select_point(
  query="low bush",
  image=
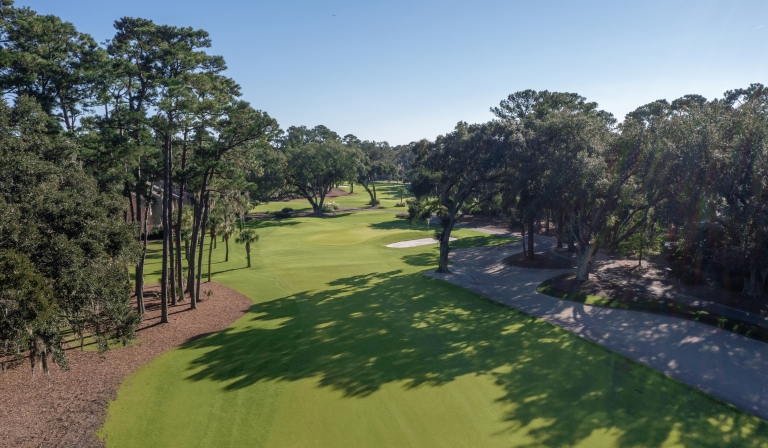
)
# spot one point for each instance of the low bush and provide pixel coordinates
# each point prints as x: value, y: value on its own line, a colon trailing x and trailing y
x: 400, y: 204
x: 287, y: 209
x: 329, y: 207
x: 402, y: 215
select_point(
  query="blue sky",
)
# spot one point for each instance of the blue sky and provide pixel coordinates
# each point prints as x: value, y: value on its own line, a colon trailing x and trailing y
x: 405, y: 70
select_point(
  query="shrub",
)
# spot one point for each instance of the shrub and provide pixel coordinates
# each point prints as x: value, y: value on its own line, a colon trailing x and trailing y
x: 282, y: 214
x: 329, y: 207
x: 402, y: 215
x: 287, y: 209
x: 400, y: 204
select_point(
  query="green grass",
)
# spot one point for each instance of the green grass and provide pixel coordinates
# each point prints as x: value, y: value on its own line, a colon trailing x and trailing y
x: 386, y: 193
x: 349, y: 345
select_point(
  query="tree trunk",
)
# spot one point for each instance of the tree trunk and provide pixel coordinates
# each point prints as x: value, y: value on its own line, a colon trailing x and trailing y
x: 571, y: 238
x: 375, y: 199
x: 248, y: 253
x: 559, y: 229
x: 226, y: 249
x: 172, y: 271
x: 522, y: 239
x: 179, y: 265
x: 444, y: 245
x: 210, y: 252
x: 531, y: 231
x: 587, y: 256
x: 202, y: 245
x: 179, y: 215
x: 752, y: 285
x: 370, y: 192
x: 166, y: 229
x: 195, y: 241
x: 140, y: 265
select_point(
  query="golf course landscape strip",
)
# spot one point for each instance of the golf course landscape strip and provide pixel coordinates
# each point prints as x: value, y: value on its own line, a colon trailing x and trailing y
x: 348, y: 344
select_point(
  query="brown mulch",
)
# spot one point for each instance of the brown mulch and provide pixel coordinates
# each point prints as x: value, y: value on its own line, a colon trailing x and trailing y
x: 336, y: 192
x: 596, y: 286
x: 541, y: 260
x: 70, y: 410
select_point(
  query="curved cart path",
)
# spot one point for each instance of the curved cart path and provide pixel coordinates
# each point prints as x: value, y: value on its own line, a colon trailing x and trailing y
x: 725, y: 365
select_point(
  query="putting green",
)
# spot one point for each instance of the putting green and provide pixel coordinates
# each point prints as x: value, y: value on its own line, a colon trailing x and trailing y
x: 351, y: 346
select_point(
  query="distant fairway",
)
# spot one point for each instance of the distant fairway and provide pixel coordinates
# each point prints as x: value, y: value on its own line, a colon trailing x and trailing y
x: 386, y: 193
x: 348, y: 345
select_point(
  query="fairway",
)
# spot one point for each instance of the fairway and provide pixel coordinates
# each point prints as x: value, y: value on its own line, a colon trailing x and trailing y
x: 349, y: 345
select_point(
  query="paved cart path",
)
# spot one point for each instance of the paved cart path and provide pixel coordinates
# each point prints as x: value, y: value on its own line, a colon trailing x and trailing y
x: 725, y: 365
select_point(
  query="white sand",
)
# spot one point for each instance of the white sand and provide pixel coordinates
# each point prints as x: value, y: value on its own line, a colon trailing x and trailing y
x: 414, y: 243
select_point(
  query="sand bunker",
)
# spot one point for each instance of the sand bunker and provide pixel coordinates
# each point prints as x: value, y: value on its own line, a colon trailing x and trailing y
x: 414, y: 243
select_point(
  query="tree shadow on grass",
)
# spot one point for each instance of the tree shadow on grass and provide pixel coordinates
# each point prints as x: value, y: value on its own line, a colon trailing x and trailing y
x: 267, y: 223
x: 370, y: 330
x: 401, y: 224
x: 423, y: 259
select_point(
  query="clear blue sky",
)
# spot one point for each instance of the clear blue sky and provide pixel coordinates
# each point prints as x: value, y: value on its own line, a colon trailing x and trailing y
x: 405, y: 70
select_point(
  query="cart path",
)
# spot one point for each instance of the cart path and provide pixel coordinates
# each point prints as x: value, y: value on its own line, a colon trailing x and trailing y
x: 725, y: 365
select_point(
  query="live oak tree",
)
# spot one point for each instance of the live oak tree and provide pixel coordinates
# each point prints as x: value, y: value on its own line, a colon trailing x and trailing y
x: 468, y: 163
x: 548, y: 123
x: 55, y: 224
x: 316, y: 160
x: 377, y: 162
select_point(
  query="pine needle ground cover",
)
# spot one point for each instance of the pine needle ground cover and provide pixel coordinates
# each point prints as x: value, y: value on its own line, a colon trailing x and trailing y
x: 348, y: 344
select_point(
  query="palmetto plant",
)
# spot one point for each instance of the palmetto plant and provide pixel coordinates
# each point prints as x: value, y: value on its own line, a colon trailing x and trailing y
x: 226, y: 233
x: 247, y: 236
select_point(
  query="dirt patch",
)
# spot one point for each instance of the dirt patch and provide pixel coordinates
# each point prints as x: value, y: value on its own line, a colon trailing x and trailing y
x: 70, y: 410
x: 336, y: 192
x: 541, y: 260
x: 596, y: 286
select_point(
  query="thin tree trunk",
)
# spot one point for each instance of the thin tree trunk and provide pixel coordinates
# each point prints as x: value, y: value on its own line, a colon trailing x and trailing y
x: 202, y: 245
x: 140, y: 265
x: 522, y: 239
x: 248, y: 253
x: 193, y: 247
x: 226, y: 249
x: 172, y: 258
x: 179, y: 215
x: 166, y: 219
x: 531, y: 231
x: 210, y: 252
x: 445, y: 247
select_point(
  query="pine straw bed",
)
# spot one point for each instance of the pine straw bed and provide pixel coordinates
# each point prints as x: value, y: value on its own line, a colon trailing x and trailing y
x: 72, y: 408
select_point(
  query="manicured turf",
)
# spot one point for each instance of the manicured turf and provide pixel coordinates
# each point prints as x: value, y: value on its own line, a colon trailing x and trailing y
x: 386, y: 193
x: 348, y: 345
